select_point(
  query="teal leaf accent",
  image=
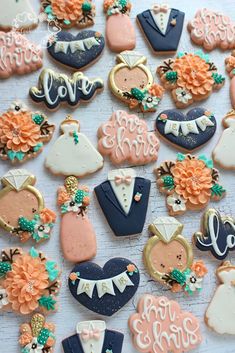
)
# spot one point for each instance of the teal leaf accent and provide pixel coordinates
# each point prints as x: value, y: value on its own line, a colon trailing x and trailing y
x: 38, y: 119
x: 86, y: 6
x: 138, y: 94
x: 43, y: 336
x: 203, y: 56
x: 178, y: 276
x: 38, y: 147
x: 123, y: 3
x: 180, y: 157
x: 18, y: 155
x: 75, y: 137
x: 33, y: 252
x: 53, y: 272
x: 67, y: 22
x: 47, y: 302
x: 218, y: 79
x: 171, y: 76
x: 208, y: 162
x: 48, y: 9
x: 233, y: 71
x: 4, y: 268
x: 217, y: 190
x: 37, y: 238
x: 26, y: 225
x: 64, y: 209
x: 79, y: 196
x: 180, y: 54
x: 168, y: 182
x: 25, y: 350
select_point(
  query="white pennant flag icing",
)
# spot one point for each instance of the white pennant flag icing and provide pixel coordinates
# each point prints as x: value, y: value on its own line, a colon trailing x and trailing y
x: 80, y: 45
x: 86, y: 286
x: 105, y: 287
x: 187, y: 127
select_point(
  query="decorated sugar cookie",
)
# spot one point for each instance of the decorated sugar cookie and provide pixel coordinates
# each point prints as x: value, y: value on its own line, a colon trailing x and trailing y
x: 37, y: 335
x: 168, y: 257
x: 77, y: 51
x: 124, y: 199
x: 73, y: 153
x: 212, y: 29
x: 217, y: 234
x: 186, y: 131
x: 222, y: 153
x: 23, y: 133
x: 220, y: 316
x: 19, y: 56
x: 54, y: 89
x: 189, y: 183
x: 17, y: 14
x: 230, y: 67
x: 167, y: 327
x: 22, y: 210
x: 104, y: 290
x: 77, y: 236
x: 162, y: 27
x: 28, y: 282
x: 67, y: 14
x: 94, y: 334
x: 120, y: 32
x: 125, y: 139
x: 132, y: 82
x: 190, y: 78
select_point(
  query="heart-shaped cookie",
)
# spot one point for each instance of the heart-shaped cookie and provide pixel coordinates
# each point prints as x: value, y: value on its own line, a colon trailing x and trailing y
x: 104, y: 290
x: 187, y: 132
x: 77, y: 51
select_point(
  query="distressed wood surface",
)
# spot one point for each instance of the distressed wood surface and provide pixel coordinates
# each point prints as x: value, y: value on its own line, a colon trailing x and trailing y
x: 91, y: 116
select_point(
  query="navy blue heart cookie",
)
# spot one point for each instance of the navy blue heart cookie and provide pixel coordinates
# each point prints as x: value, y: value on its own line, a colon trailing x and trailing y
x: 77, y: 51
x: 187, y: 132
x: 104, y: 290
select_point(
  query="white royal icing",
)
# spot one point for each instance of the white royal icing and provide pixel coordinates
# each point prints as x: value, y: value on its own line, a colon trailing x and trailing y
x: 19, y: 12
x: 76, y: 45
x: 17, y: 177
x: 91, y: 344
x: 224, y: 151
x: 187, y: 127
x: 167, y: 227
x: 161, y: 19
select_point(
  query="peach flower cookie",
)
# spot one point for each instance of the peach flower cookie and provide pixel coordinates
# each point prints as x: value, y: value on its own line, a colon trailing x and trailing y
x: 28, y: 282
x: 212, y: 29
x: 168, y: 257
x: 69, y: 13
x: 19, y: 56
x: 37, y: 336
x: 190, y: 77
x: 189, y: 183
x: 230, y: 67
x: 160, y: 325
x: 23, y: 133
x: 132, y: 82
x: 125, y: 139
x: 120, y: 32
x: 22, y: 209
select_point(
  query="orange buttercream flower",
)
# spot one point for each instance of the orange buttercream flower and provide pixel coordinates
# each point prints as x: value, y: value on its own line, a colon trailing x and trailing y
x: 199, y: 268
x: 131, y: 268
x: 69, y: 10
x: 156, y: 90
x: 108, y: 4
x: 25, y: 339
x: 176, y: 288
x: 47, y: 216
x: 18, y: 131
x: 73, y: 276
x: 193, y: 74
x: 231, y: 61
x: 25, y: 283
x: 193, y: 181
x: 63, y: 196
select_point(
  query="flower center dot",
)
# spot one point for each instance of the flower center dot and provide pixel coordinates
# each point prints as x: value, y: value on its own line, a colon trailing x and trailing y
x: 193, y: 280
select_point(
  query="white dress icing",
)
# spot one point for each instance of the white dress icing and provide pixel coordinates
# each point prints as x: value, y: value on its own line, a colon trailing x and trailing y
x: 224, y: 151
x: 17, y: 12
x: 69, y: 158
x: 220, y: 314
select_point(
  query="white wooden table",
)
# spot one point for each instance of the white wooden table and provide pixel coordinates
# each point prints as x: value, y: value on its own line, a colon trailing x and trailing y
x: 91, y: 116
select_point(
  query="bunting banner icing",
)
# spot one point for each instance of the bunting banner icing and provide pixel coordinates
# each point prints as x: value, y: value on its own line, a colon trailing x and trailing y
x: 187, y: 127
x: 81, y: 45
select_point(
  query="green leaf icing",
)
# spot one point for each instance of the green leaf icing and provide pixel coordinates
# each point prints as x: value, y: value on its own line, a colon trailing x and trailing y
x: 138, y: 94
x: 47, y: 302
x: 43, y: 336
x: 217, y: 190
x: 38, y: 119
x: 180, y: 157
x: 53, y: 272
x: 26, y: 225
x: 79, y: 196
x: 86, y: 6
x: 179, y: 276
x: 172, y: 76
x: 33, y: 252
x: 4, y: 268
x: 168, y: 182
x: 218, y: 79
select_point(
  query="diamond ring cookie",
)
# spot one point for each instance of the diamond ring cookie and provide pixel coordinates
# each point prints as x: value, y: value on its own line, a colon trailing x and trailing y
x: 73, y: 153
x: 73, y: 199
x: 132, y: 82
x: 167, y: 327
x: 168, y: 257
x: 19, y: 56
x: 28, y: 282
x: 189, y: 131
x: 37, y: 335
x: 120, y: 32
x: 189, y: 183
x: 67, y: 14
x: 125, y: 138
x: 22, y: 209
x: 190, y: 78
x: 94, y: 334
x: 104, y: 290
x: 23, y: 133
x: 124, y: 199
x: 162, y: 27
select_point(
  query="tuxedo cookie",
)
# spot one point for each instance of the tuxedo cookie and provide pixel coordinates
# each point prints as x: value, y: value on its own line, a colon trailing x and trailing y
x: 186, y: 131
x: 124, y: 200
x: 162, y: 27
x: 93, y: 334
x: 77, y: 51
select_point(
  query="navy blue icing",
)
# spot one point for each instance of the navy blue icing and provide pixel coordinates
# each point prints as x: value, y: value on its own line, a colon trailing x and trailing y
x: 113, y: 342
x: 108, y: 304
x: 158, y: 41
x: 221, y: 239
x: 123, y: 224
x: 78, y: 59
x: 191, y: 141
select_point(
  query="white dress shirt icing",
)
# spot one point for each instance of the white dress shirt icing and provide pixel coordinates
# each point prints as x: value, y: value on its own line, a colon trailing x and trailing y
x: 91, y: 334
x: 161, y: 19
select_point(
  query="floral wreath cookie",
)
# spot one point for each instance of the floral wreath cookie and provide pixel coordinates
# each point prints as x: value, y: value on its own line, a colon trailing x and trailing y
x: 132, y: 82
x: 22, y: 211
x: 190, y: 78
x: 168, y: 257
x: 37, y: 336
x: 189, y: 183
x: 28, y: 281
x: 230, y: 67
x: 23, y: 133
x: 68, y: 14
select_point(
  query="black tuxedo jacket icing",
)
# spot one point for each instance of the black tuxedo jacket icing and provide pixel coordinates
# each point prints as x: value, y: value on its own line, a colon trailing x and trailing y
x: 113, y: 341
x: 121, y: 223
x: 162, y: 42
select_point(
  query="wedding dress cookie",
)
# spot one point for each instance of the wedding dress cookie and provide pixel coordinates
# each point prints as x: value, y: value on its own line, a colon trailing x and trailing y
x: 73, y: 153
